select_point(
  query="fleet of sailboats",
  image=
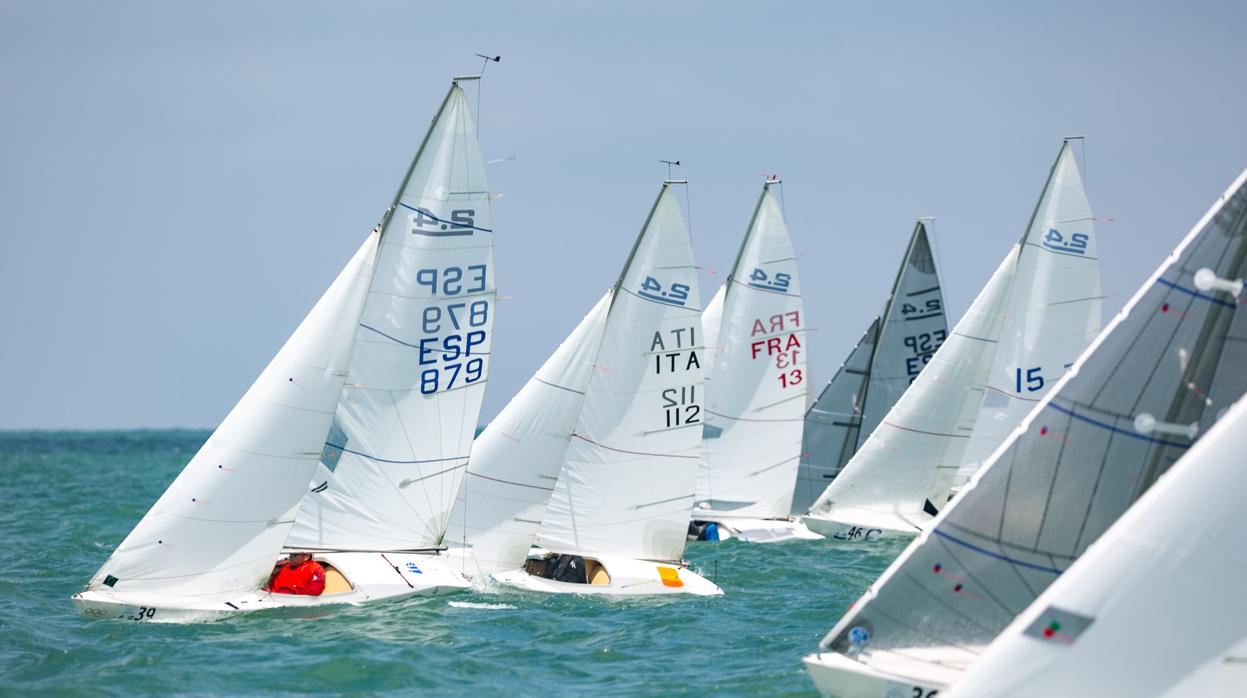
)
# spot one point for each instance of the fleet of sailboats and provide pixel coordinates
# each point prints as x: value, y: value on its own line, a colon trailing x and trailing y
x: 1035, y: 315
x: 1040, y: 462
x: 1157, y: 378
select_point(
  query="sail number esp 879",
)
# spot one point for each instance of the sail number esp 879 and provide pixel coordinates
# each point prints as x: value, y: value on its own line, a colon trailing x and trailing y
x: 453, y: 328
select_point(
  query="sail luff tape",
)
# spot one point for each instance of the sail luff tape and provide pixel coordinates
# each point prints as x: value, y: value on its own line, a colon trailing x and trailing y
x: 1207, y: 280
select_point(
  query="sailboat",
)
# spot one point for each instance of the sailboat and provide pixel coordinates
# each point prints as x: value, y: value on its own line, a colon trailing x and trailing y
x: 1038, y: 311
x: 891, y: 353
x: 403, y: 430
x: 1153, y: 382
x: 756, y: 390
x: 1094, y: 631
x: 619, y: 510
x: 365, y: 401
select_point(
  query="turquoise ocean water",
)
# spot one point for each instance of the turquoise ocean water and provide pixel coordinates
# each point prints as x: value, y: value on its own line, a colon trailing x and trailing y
x: 67, y: 499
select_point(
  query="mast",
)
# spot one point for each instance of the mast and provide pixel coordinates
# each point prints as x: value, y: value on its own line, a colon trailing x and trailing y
x: 623, y: 273
x: 882, y: 324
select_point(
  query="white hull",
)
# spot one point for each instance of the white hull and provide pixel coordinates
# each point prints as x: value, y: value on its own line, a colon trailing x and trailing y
x: 373, y: 576
x: 625, y: 577
x: 762, y: 530
x: 860, y: 526
x: 837, y: 675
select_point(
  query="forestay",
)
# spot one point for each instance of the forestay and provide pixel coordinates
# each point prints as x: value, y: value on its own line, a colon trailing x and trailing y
x: 394, y: 458
x: 1038, y: 311
x: 627, y: 486
x: 877, y: 372
x: 757, y: 389
x: 218, y: 529
x: 1159, y: 572
x: 1132, y: 404
x: 516, y: 460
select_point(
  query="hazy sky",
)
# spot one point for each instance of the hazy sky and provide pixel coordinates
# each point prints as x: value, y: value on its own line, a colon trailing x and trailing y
x: 181, y: 181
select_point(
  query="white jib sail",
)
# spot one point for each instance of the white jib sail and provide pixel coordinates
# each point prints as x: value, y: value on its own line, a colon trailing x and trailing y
x: 1031, y: 322
x: 220, y: 526
x: 879, y: 370
x: 1150, y: 384
x: 627, y: 486
x: 888, y: 482
x: 757, y: 390
x: 516, y: 460
x: 1150, y: 602
x: 395, y: 456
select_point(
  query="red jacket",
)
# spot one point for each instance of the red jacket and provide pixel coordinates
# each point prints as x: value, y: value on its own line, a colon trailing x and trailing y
x: 308, y: 579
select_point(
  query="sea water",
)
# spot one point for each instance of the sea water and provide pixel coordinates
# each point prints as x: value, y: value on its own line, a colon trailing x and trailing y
x: 68, y: 498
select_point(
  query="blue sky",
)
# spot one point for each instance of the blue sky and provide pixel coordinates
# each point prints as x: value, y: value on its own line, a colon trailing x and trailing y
x: 181, y: 182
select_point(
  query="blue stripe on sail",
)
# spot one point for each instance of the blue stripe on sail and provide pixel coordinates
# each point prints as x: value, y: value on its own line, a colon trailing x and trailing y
x: 400, y: 462
x: 1197, y: 294
x: 998, y: 556
x: 460, y: 226
x: 417, y: 346
x: 1110, y: 427
x: 396, y: 339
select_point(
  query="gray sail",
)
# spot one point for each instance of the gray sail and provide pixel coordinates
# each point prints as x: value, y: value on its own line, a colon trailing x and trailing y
x: 832, y: 424
x: 891, y: 353
x: 1160, y: 375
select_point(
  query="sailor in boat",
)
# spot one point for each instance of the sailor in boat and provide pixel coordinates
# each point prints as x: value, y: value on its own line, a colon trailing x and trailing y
x: 299, y: 574
x: 573, y: 569
x: 703, y: 530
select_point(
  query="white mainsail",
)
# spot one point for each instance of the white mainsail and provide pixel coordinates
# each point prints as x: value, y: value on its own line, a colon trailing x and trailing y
x: 1053, y: 311
x: 516, y: 460
x: 1095, y: 631
x: 878, y: 371
x: 1038, y: 311
x: 217, y: 530
x: 757, y: 391
x: 394, y: 459
x: 1128, y: 408
x: 627, y: 486
x: 711, y: 320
